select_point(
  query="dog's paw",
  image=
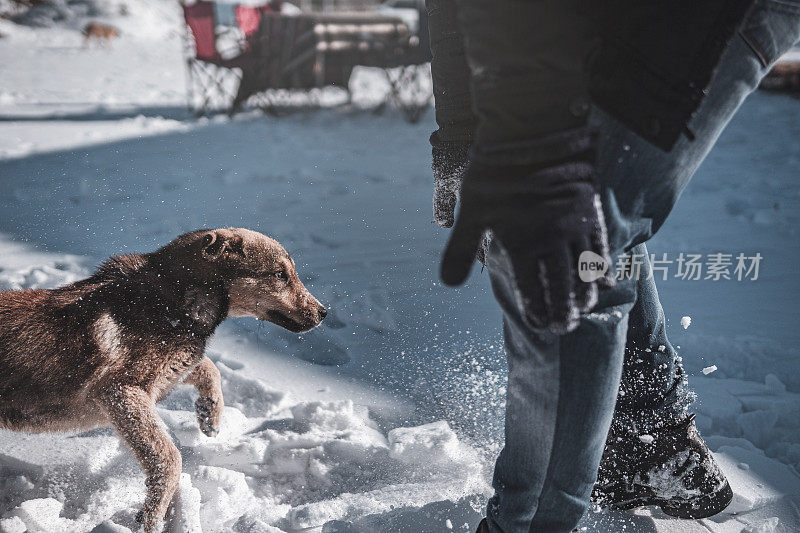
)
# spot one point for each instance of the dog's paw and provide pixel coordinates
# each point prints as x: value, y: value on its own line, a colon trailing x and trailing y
x: 209, y: 414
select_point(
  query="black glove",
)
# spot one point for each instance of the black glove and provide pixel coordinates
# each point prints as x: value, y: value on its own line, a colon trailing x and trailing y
x: 545, y: 211
x: 449, y: 164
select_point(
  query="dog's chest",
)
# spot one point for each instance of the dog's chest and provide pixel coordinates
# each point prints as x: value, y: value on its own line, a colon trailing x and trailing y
x: 172, y: 365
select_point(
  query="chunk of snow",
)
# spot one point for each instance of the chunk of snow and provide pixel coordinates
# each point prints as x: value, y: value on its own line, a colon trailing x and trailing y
x: 757, y: 426
x: 770, y: 525
x: 709, y: 369
x: 429, y: 443
x: 647, y: 439
x: 186, y: 517
x: 686, y: 321
x: 765, y: 484
x: 225, y: 493
x: 41, y: 515
x: 350, y: 423
x: 12, y: 525
x: 774, y: 384
x: 249, y: 524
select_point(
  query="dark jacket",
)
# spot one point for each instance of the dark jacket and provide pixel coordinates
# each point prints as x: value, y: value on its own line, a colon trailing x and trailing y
x: 656, y: 59
x: 535, y: 65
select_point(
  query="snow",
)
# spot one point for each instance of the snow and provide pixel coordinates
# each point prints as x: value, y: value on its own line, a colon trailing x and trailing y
x: 709, y: 369
x: 647, y: 439
x: 389, y: 416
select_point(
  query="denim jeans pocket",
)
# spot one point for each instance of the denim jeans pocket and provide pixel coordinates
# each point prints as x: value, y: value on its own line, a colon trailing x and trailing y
x: 771, y: 28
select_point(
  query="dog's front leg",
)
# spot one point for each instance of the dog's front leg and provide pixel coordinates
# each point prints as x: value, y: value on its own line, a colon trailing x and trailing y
x: 206, y: 379
x: 133, y: 414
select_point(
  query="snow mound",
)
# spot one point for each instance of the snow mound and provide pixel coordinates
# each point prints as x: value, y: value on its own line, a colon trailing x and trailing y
x: 247, y: 394
x: 764, y: 414
x: 276, y: 465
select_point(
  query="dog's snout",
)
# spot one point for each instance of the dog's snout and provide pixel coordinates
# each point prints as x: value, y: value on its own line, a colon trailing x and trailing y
x: 322, y: 312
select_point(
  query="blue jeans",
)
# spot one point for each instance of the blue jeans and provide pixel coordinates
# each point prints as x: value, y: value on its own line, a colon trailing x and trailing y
x: 562, y: 390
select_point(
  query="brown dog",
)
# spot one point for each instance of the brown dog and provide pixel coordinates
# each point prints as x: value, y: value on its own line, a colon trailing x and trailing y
x: 102, y: 351
x: 102, y: 33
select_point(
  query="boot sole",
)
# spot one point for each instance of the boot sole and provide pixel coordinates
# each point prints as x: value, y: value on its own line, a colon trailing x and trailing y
x: 696, y: 508
x: 702, y: 507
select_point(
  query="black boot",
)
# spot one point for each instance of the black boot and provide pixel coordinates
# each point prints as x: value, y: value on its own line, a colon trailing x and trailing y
x: 483, y: 527
x: 671, y: 468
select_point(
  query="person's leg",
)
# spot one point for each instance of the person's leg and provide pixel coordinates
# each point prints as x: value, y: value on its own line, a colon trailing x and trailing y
x: 653, y: 391
x: 640, y: 186
x: 559, y: 403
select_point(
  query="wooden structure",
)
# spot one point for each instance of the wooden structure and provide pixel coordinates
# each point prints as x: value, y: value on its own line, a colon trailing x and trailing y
x: 282, y: 58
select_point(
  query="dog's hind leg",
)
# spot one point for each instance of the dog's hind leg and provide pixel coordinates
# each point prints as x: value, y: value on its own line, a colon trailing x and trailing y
x: 206, y: 379
x: 133, y: 414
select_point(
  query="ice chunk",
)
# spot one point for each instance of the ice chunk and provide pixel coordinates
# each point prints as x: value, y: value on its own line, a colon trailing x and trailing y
x: 709, y: 369
x: 774, y: 385
x: 186, y: 518
x: 770, y: 525
x: 686, y: 321
x: 764, y: 484
x: 12, y: 525
x: 249, y: 524
x: 758, y: 426
x: 329, y: 416
x: 207, y: 478
x: 430, y: 443
x: 41, y: 515
x: 225, y: 493
x: 647, y: 439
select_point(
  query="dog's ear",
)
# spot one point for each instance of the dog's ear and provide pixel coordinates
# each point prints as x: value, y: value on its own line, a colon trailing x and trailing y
x: 215, y: 246
x: 212, y: 246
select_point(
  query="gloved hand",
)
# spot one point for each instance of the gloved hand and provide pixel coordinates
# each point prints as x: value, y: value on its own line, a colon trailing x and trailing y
x: 545, y: 211
x: 449, y: 164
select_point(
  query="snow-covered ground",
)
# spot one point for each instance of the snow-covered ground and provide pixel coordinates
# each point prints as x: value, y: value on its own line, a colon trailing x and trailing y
x: 389, y: 416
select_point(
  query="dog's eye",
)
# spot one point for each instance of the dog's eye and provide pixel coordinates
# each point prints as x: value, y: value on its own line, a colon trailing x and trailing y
x: 281, y: 275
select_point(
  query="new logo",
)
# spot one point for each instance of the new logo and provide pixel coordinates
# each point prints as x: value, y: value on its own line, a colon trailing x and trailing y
x: 591, y: 266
